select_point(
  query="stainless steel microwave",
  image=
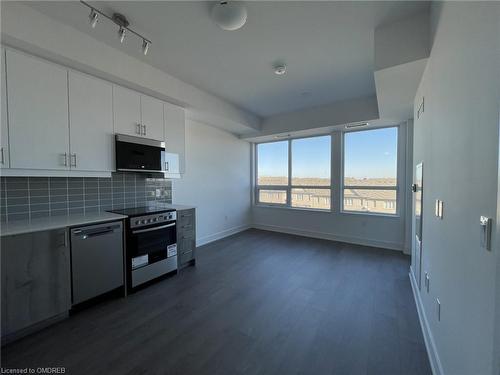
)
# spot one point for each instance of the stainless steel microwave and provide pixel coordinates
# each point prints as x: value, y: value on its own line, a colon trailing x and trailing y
x: 135, y: 154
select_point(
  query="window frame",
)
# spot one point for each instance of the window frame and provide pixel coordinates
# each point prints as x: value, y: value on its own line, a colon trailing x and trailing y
x: 289, y: 187
x: 368, y: 187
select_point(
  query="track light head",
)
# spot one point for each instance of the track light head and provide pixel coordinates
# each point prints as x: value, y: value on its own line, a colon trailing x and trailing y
x: 93, y: 17
x: 121, y: 34
x: 145, y: 46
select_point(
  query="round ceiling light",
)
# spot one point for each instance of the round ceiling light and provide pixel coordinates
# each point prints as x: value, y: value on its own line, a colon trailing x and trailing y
x: 229, y: 15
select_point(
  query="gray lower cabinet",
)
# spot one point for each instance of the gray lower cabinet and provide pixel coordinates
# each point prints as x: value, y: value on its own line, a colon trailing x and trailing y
x: 36, y: 287
x: 186, y: 237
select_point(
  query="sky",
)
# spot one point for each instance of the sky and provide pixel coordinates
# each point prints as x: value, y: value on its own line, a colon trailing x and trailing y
x: 368, y: 154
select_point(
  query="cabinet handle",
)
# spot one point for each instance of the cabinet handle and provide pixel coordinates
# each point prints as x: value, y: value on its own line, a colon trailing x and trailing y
x: 65, y: 156
x: 138, y: 128
x: 64, y: 238
x: 144, y: 129
x: 166, y: 166
x: 3, y: 160
x: 73, y: 156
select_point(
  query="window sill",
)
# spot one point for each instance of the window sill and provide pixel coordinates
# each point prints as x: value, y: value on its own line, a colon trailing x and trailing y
x: 343, y: 212
x: 347, y: 212
x: 261, y: 205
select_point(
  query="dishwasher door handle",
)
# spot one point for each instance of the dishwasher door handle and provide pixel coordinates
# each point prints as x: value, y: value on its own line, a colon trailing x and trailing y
x: 97, y: 234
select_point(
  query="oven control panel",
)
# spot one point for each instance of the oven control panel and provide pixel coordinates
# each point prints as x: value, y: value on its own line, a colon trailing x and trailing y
x: 142, y: 221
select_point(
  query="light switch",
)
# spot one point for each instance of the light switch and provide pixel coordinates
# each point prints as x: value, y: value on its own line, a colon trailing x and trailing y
x: 438, y: 209
x: 441, y: 209
x: 485, y: 223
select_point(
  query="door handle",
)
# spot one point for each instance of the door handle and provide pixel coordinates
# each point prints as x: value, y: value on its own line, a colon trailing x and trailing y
x: 414, y: 188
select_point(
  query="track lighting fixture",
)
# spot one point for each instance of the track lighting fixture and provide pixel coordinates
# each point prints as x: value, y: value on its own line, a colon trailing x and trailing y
x: 145, y: 46
x: 93, y: 17
x: 121, y: 34
x: 121, y: 21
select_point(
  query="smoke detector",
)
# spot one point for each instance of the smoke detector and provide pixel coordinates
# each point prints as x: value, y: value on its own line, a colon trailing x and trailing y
x: 279, y: 69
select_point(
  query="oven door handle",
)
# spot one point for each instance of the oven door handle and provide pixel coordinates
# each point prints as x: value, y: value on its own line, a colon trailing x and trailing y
x: 152, y: 229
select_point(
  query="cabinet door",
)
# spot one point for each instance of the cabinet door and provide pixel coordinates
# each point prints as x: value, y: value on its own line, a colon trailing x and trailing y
x: 37, y: 278
x: 37, y: 94
x: 152, y: 117
x: 175, y: 133
x: 4, y: 130
x: 126, y: 111
x: 91, y: 123
x: 171, y: 167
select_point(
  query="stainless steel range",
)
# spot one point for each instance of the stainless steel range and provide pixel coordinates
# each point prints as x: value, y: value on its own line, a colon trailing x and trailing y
x: 151, y: 244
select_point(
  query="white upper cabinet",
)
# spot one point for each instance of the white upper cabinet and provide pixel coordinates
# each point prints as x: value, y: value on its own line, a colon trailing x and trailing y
x: 175, y: 137
x: 136, y: 114
x: 4, y: 131
x: 91, y: 123
x: 127, y: 111
x: 37, y: 94
x: 152, y: 117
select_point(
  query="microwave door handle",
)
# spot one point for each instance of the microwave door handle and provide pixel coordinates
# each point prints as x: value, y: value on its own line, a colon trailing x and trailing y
x: 152, y: 229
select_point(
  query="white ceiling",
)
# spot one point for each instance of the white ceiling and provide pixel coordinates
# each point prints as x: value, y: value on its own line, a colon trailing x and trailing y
x: 327, y: 46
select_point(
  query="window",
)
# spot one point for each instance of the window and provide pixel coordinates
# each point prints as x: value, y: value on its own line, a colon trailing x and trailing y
x: 370, y: 171
x: 309, y: 185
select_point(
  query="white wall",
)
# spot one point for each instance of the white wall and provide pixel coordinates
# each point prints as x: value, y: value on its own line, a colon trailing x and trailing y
x: 457, y: 138
x: 372, y: 230
x: 402, y: 41
x: 217, y: 181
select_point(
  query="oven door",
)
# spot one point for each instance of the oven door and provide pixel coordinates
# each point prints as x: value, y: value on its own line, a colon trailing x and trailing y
x: 152, y: 244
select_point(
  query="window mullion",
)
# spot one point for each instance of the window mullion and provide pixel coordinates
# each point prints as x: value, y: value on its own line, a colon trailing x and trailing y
x: 289, y: 189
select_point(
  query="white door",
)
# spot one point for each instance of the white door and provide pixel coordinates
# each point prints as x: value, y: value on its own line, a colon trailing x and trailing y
x: 4, y: 131
x: 126, y: 111
x: 37, y: 94
x: 175, y: 133
x: 91, y: 123
x: 152, y: 117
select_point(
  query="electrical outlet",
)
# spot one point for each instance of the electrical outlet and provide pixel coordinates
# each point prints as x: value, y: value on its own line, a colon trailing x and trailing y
x: 438, y: 309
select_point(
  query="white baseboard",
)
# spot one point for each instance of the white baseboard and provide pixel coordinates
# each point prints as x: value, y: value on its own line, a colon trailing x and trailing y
x: 432, y: 353
x: 219, y: 235
x: 332, y: 237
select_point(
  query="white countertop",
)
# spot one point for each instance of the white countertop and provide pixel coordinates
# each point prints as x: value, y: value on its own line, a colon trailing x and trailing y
x: 178, y: 207
x: 55, y: 222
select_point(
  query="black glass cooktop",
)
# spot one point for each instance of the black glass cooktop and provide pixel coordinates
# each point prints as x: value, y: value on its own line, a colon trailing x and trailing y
x: 140, y: 211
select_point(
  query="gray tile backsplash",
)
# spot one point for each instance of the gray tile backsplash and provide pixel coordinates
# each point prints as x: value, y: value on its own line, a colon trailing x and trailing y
x: 37, y: 197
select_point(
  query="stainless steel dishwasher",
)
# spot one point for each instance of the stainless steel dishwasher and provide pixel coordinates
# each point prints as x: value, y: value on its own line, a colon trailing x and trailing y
x: 96, y: 260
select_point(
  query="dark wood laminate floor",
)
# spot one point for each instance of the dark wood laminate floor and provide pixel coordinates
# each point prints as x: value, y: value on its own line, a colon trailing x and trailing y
x: 256, y: 303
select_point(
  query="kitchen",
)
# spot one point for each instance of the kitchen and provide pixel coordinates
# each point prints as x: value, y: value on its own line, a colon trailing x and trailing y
x: 78, y: 227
